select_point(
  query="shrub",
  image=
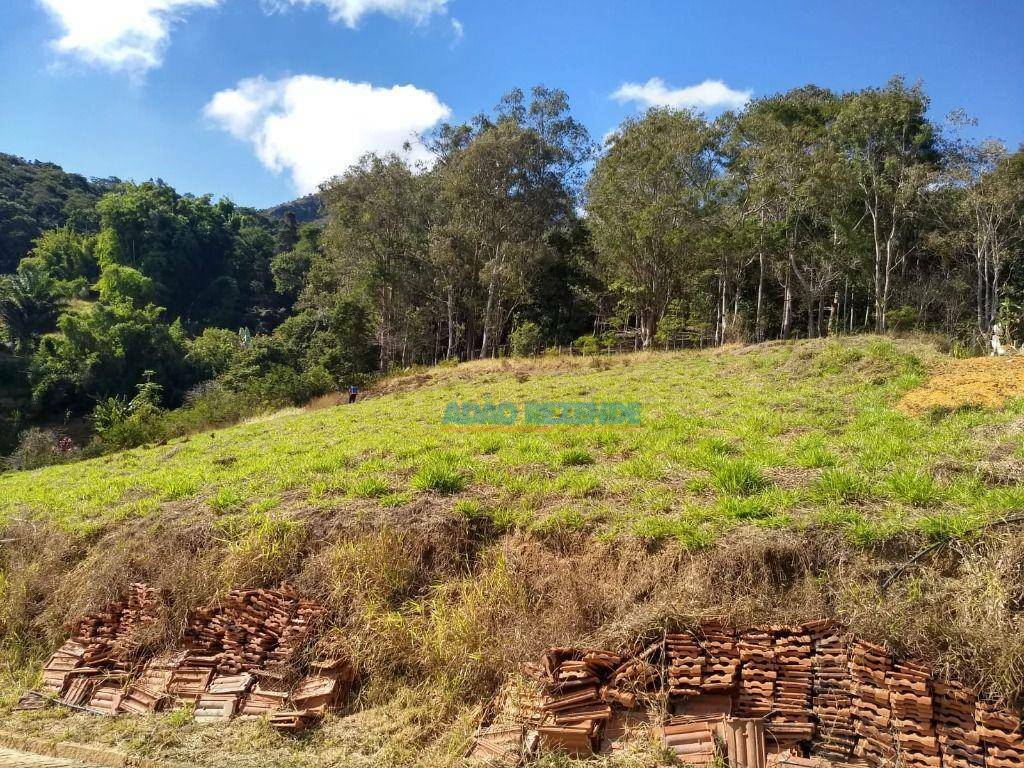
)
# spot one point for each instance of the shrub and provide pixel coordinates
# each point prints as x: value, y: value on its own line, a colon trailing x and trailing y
x: 738, y: 477
x: 526, y: 340
x: 587, y: 345
x: 214, y: 351
x: 441, y: 475
x: 902, y: 319
x: 40, y: 448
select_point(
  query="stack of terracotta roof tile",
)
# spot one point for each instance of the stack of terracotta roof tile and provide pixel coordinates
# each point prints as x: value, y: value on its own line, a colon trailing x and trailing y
x: 252, y: 629
x: 693, y: 740
x: 832, y: 702
x: 573, y: 712
x: 105, y: 640
x: 955, y: 726
x: 316, y: 694
x: 757, y: 674
x: 790, y: 722
x: 111, y: 634
x: 910, y: 700
x: 721, y: 669
x: 636, y: 675
x: 108, y: 694
x: 700, y: 741
x: 150, y: 690
x: 240, y: 661
x: 261, y: 701
x: 68, y: 658
x: 582, y: 690
x: 869, y: 665
x: 1000, y: 731
x: 685, y: 664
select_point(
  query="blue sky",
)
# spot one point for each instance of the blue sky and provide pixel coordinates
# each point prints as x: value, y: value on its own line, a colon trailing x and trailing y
x: 259, y: 100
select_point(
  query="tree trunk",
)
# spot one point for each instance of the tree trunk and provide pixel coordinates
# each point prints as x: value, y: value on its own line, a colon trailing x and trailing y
x: 450, y: 312
x: 492, y: 290
x: 758, y: 330
x: 787, y: 306
x: 878, y: 277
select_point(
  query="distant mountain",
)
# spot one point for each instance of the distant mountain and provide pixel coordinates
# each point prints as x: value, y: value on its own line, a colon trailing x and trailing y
x: 306, y: 209
x: 37, y: 196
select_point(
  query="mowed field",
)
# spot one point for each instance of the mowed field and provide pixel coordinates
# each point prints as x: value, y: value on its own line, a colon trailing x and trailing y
x: 786, y: 435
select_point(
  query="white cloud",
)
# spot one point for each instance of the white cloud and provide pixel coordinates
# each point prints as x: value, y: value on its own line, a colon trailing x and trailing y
x: 122, y: 35
x: 458, y: 30
x: 711, y: 94
x: 316, y: 127
x: 351, y: 11
x: 132, y: 35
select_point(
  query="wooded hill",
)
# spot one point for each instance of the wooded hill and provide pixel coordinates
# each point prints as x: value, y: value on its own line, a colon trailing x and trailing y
x: 807, y: 213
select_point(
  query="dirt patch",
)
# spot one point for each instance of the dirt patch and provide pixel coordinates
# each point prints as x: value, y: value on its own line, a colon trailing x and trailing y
x: 978, y: 382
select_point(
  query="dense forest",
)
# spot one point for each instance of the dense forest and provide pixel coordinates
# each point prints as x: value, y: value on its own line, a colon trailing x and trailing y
x: 136, y: 312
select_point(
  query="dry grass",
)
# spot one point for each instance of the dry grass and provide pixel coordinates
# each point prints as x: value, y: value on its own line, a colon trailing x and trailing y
x: 977, y: 382
x: 439, y: 615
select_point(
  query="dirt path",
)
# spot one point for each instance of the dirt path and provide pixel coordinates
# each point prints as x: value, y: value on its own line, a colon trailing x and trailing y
x: 10, y: 758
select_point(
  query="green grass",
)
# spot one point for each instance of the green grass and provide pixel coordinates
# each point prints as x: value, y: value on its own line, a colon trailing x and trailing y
x: 840, y: 486
x: 371, y: 487
x: 442, y: 475
x: 786, y: 435
x: 738, y: 477
x: 575, y: 457
x: 914, y: 487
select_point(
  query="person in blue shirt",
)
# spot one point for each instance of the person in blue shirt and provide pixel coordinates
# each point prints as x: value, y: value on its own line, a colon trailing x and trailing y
x: 352, y: 392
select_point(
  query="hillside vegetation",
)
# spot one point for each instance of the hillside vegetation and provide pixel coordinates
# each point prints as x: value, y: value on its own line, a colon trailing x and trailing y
x: 776, y: 482
x: 809, y: 213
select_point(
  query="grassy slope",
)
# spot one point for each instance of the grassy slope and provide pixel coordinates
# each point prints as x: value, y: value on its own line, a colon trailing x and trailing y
x: 779, y: 436
x: 792, y: 458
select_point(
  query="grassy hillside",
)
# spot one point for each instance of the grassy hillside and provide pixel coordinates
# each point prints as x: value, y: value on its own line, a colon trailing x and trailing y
x: 774, y: 482
x: 784, y: 436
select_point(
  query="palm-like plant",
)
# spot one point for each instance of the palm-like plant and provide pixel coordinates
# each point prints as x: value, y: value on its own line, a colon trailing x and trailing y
x: 28, y: 306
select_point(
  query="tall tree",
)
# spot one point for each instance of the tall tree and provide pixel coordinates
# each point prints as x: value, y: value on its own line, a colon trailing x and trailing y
x: 506, y: 184
x: 782, y: 155
x: 649, y: 202
x: 890, y: 150
x: 375, y: 246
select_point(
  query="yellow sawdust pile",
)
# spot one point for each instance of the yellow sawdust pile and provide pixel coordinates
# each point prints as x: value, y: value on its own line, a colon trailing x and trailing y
x: 979, y: 382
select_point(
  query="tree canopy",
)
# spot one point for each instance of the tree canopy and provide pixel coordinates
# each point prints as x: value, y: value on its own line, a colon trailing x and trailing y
x: 805, y: 213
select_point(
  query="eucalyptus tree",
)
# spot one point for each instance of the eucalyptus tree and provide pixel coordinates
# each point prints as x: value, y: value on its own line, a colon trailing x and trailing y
x: 505, y: 183
x: 797, y: 200
x: 375, y: 247
x: 889, y: 150
x: 650, y: 201
x: 983, y: 203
